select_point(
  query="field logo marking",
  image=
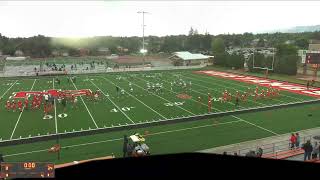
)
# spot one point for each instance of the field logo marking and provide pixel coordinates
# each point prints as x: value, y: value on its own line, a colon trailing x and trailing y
x: 47, y: 117
x: 63, y: 115
x: 291, y: 87
x: 184, y: 96
x: 52, y: 92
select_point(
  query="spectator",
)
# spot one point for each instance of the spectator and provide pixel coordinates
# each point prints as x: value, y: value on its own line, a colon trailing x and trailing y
x: 251, y: 154
x: 235, y: 154
x: 297, y: 140
x: 315, y: 150
x: 224, y: 153
x: 130, y: 149
x: 259, y: 152
x: 125, y: 144
x: 293, y: 140
x: 307, y: 147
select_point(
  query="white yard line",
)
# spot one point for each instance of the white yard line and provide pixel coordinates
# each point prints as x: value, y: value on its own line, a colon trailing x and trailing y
x: 14, y: 129
x: 246, y: 86
x: 8, y: 89
x: 118, y: 139
x: 114, y: 103
x: 162, y: 98
x: 138, y: 100
x: 55, y: 110
x: 189, y: 99
x: 255, y: 125
x: 85, y: 105
x: 231, y: 115
x: 230, y: 87
x: 226, y: 87
x: 206, y: 94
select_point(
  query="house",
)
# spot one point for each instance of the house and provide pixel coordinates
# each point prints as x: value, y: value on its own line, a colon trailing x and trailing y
x: 18, y: 53
x: 83, y: 51
x: 65, y: 54
x: 103, y: 51
x: 55, y: 53
x: 21, y: 58
x: 314, y: 45
x: 290, y: 42
x: 185, y: 58
x: 256, y: 41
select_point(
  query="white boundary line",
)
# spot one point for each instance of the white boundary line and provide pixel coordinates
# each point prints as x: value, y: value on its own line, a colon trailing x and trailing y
x: 55, y: 110
x: 138, y: 100
x: 14, y: 129
x: 117, y: 139
x: 163, y: 132
x: 113, y: 103
x: 85, y: 105
x: 8, y: 89
x: 161, y: 97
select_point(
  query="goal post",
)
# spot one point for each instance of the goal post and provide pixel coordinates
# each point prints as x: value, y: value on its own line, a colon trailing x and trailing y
x: 266, y: 68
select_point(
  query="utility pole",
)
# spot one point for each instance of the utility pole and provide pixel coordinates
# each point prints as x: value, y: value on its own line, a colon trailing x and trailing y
x: 143, y: 51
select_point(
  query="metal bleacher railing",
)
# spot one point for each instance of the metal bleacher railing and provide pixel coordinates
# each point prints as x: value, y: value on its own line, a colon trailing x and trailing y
x: 272, y: 148
x: 23, y: 71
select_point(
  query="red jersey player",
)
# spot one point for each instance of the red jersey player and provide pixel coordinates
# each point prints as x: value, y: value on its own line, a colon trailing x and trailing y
x: 34, y: 104
x: 45, y: 109
x: 256, y: 91
x: 26, y: 103
x: 13, y: 105
x: 209, y: 105
x: 229, y: 97
x: 20, y: 105
x: 262, y: 95
x: 8, y: 105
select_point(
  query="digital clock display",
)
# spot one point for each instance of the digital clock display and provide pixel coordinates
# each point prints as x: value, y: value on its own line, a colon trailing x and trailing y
x: 27, y: 170
x: 29, y: 165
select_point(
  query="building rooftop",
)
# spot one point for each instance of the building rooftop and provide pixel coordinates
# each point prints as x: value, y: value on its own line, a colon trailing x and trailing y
x: 185, y: 55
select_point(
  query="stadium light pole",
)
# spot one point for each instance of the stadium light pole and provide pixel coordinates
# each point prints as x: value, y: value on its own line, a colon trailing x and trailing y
x: 143, y: 51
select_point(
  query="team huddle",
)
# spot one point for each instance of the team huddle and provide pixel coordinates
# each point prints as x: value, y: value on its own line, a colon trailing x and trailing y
x: 38, y: 102
x: 45, y: 101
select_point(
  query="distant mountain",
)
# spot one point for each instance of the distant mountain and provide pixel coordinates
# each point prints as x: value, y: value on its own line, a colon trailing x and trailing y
x: 296, y: 29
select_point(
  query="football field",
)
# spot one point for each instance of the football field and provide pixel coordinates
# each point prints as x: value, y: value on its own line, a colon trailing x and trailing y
x: 147, y: 97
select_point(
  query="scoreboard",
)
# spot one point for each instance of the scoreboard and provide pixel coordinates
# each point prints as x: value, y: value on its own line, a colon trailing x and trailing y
x: 27, y: 170
x: 313, y: 58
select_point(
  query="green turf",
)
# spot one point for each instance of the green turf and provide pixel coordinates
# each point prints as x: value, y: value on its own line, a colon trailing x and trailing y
x: 141, y: 106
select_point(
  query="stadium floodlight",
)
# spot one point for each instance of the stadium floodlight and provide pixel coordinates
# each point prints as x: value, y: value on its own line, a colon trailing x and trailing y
x: 143, y: 51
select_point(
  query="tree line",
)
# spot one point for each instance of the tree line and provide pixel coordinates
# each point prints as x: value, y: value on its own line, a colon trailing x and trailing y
x: 42, y: 46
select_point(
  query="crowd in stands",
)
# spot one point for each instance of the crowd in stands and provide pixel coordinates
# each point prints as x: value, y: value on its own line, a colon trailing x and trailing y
x: 310, y: 151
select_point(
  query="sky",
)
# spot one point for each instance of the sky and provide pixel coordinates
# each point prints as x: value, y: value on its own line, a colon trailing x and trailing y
x: 120, y: 18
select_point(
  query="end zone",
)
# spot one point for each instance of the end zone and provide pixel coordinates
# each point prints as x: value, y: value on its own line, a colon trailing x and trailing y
x: 285, y: 86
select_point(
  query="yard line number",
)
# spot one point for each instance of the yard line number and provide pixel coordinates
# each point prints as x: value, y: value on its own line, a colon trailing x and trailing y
x: 123, y: 109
